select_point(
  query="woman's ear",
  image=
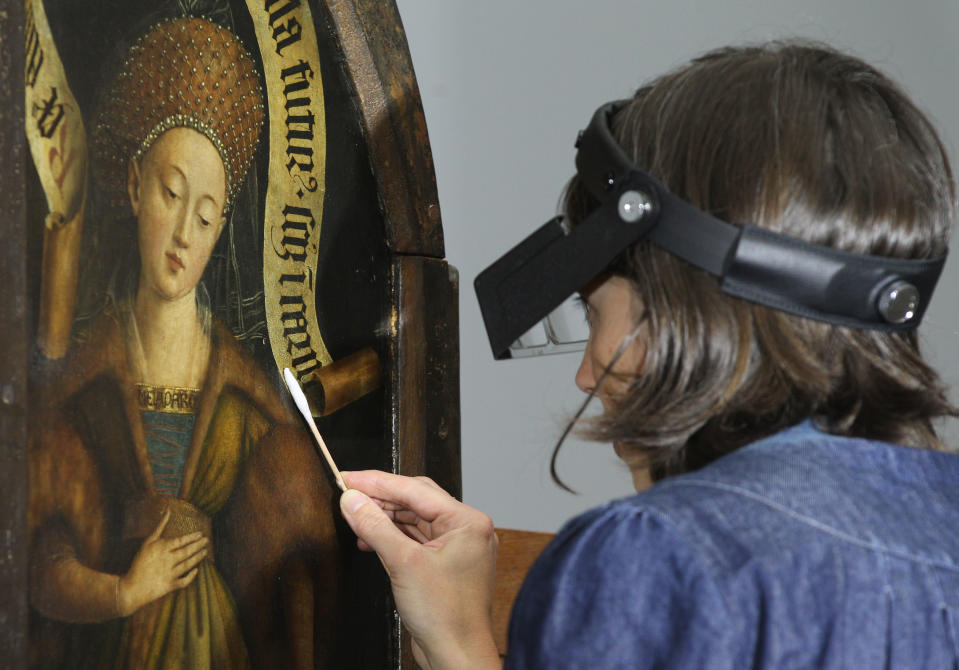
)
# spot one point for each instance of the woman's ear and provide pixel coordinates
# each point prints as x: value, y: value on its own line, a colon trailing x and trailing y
x: 133, y: 185
x: 221, y: 224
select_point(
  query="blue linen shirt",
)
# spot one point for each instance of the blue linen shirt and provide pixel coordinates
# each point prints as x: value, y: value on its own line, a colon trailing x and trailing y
x: 803, y: 550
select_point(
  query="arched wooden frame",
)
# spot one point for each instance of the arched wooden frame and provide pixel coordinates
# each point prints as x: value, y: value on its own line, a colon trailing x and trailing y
x: 419, y: 366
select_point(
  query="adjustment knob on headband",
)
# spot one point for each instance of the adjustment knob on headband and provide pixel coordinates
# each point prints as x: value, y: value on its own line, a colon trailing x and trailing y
x: 899, y: 302
x: 634, y: 205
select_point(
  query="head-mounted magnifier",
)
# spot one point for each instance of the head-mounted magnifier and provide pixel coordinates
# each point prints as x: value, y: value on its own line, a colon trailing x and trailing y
x: 540, y: 273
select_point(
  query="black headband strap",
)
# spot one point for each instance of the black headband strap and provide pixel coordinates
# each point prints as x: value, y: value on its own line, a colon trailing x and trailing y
x: 760, y: 265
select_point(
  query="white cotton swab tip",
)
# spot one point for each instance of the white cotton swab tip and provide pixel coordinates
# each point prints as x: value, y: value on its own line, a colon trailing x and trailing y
x: 300, y: 399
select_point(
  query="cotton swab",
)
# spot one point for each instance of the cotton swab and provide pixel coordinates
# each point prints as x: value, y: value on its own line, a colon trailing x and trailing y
x: 304, y: 408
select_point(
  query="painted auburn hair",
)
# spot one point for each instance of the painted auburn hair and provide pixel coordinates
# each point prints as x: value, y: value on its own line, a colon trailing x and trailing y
x: 804, y: 140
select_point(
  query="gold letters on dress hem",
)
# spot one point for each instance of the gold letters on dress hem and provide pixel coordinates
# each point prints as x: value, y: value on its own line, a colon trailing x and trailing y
x: 169, y: 399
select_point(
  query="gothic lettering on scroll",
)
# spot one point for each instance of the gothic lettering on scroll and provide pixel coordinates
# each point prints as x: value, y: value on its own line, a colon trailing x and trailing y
x: 48, y: 113
x: 299, y: 120
x: 296, y: 227
x: 34, y: 52
x: 294, y: 201
x: 284, y: 34
x: 298, y: 222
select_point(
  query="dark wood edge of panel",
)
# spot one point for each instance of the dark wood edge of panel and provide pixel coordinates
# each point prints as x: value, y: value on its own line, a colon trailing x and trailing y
x: 424, y: 377
x: 377, y: 61
x: 13, y: 345
x: 426, y: 370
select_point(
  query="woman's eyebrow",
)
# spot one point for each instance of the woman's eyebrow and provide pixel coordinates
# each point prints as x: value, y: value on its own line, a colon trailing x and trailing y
x: 208, y: 196
x: 178, y: 169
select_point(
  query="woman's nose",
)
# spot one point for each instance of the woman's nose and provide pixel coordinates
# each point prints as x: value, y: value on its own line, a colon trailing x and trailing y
x: 585, y: 379
x: 181, y: 233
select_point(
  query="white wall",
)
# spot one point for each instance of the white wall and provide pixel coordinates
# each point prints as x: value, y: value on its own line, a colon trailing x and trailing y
x: 506, y: 85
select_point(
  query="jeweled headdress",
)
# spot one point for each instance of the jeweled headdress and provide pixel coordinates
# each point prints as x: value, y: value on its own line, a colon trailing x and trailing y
x: 184, y: 72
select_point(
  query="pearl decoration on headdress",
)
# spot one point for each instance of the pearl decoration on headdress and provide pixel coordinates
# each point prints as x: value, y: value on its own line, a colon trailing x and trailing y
x: 154, y: 92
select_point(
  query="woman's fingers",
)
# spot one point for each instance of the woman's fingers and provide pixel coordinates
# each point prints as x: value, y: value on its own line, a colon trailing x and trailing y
x: 440, y: 556
x: 405, y: 516
x: 158, y: 531
x: 191, y: 561
x: 160, y: 566
x: 418, y: 494
x: 185, y: 579
x: 409, y: 531
x: 372, y: 525
x: 430, y: 482
x: 184, y: 540
x: 188, y: 550
x: 416, y: 505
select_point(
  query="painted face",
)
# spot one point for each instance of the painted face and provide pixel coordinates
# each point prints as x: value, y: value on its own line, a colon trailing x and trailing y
x: 178, y: 191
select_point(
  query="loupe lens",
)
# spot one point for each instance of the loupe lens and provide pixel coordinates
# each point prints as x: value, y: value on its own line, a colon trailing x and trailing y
x: 567, y: 323
x: 564, y: 330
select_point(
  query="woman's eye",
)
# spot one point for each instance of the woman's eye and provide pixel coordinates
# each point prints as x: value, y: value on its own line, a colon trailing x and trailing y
x: 170, y: 193
x: 584, y: 306
x: 204, y: 222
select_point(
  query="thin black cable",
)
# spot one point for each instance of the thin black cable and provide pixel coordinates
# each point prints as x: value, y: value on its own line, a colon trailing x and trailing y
x: 599, y: 383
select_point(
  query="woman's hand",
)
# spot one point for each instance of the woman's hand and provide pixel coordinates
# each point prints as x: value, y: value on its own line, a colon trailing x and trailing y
x: 440, y: 556
x: 160, y: 566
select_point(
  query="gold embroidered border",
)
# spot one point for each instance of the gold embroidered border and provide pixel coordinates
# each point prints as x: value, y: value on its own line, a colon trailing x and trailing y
x: 169, y: 399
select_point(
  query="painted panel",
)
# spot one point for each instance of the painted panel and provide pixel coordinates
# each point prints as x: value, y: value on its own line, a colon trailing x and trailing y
x: 203, y: 211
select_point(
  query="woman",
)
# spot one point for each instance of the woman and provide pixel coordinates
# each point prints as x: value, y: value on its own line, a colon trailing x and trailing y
x: 177, y: 516
x: 802, y: 508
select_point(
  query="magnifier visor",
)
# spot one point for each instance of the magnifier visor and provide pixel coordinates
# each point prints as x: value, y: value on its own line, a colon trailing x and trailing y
x: 788, y: 274
x: 537, y: 275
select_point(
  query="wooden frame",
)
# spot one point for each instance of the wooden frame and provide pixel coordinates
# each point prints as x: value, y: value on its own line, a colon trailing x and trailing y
x: 417, y: 344
x: 13, y: 347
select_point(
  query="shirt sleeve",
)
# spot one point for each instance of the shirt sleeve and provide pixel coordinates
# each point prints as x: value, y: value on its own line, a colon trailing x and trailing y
x: 619, y: 588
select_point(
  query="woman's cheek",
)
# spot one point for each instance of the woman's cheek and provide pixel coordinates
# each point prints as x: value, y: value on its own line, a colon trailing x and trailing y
x: 201, y: 253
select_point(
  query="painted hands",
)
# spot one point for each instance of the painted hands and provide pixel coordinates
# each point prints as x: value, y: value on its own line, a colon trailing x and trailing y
x: 440, y: 556
x: 159, y: 567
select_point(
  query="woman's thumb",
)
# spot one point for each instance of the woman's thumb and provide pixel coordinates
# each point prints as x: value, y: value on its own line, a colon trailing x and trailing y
x: 370, y: 523
x: 351, y: 501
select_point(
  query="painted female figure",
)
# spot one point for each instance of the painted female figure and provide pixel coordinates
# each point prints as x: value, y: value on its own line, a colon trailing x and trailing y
x: 178, y: 517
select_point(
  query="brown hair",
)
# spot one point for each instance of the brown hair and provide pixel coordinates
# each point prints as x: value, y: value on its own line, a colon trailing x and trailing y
x: 803, y: 140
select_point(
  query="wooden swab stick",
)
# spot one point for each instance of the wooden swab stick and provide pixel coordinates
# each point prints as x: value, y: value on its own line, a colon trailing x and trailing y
x: 304, y: 408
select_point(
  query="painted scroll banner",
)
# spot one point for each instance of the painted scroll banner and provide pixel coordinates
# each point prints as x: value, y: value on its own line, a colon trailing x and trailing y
x: 57, y: 139
x: 294, y: 201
